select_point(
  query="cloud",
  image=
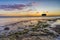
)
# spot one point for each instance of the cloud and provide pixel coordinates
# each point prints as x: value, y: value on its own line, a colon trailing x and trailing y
x: 12, y: 7
x: 16, y: 6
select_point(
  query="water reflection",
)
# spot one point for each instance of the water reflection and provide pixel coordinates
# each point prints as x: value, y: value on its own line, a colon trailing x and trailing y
x: 6, y: 21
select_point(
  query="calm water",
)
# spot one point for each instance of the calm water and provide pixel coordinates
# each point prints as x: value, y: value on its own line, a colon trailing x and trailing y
x: 8, y: 20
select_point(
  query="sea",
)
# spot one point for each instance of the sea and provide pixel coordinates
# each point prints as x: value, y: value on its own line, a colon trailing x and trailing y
x: 9, y: 20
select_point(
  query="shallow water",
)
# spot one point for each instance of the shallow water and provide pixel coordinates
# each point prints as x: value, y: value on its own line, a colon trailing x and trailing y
x: 58, y: 38
x: 9, y: 20
x: 4, y: 21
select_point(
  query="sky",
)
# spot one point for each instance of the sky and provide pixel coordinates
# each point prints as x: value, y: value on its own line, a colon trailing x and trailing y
x: 51, y: 6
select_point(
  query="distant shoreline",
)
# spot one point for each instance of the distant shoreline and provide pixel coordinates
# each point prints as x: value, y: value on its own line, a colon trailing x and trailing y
x: 26, y: 16
x: 58, y: 17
